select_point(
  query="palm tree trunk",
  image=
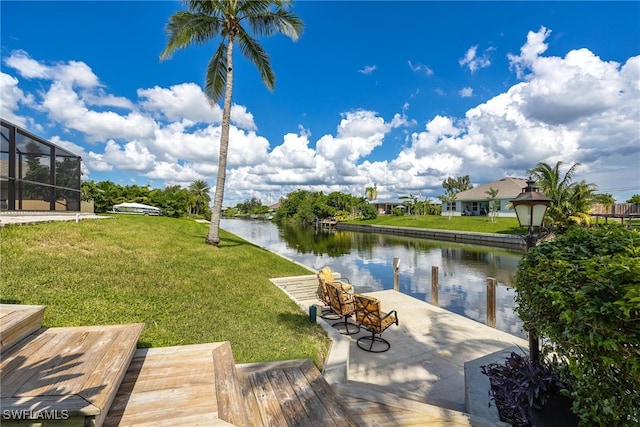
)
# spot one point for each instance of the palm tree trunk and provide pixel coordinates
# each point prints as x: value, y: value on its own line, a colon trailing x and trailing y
x: 213, y: 238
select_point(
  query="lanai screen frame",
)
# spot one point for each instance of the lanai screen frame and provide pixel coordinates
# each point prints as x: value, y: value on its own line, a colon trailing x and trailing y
x: 34, y: 172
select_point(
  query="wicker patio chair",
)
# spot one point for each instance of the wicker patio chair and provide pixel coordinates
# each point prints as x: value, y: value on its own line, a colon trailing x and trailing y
x: 325, y: 275
x: 370, y: 317
x: 342, y: 305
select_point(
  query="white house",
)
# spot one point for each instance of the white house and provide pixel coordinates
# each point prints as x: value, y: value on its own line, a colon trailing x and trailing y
x: 476, y: 200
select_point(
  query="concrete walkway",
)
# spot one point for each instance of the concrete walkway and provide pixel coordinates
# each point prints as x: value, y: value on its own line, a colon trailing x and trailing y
x: 435, y: 355
x: 429, y: 349
x: 36, y: 217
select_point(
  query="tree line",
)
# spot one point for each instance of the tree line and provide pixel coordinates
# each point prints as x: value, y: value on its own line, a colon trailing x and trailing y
x: 305, y: 207
x: 174, y: 200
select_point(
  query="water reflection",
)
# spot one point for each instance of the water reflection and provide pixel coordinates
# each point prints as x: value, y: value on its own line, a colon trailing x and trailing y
x: 366, y: 259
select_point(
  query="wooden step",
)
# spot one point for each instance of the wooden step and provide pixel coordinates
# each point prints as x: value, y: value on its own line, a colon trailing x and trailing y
x: 370, y: 405
x: 229, y: 395
x: 169, y: 386
x: 18, y: 321
x: 290, y: 393
x: 70, y: 374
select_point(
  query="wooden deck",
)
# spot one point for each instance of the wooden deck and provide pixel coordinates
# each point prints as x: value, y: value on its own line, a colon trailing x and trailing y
x: 201, y: 385
x: 71, y: 374
x: 18, y: 321
x: 170, y: 386
x: 291, y: 393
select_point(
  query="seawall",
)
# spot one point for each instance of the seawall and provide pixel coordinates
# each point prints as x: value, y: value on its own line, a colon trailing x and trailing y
x: 506, y: 241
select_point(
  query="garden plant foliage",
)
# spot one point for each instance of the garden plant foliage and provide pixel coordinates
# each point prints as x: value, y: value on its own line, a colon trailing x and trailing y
x: 582, y: 292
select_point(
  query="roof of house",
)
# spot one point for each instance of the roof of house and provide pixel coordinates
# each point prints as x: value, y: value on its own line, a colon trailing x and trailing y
x: 508, y: 188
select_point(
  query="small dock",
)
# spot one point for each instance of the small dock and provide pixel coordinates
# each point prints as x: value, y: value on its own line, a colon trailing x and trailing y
x: 434, y: 357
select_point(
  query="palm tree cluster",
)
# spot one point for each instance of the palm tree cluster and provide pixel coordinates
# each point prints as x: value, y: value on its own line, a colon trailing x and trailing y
x: 570, y: 201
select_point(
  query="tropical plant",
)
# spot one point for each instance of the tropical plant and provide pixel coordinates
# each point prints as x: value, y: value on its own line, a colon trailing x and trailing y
x: 606, y: 200
x: 412, y: 202
x: 448, y: 199
x: 493, y: 203
x: 635, y: 199
x: 230, y: 21
x: 519, y: 385
x: 570, y: 201
x: 456, y: 185
x: 201, y: 198
x: 371, y: 192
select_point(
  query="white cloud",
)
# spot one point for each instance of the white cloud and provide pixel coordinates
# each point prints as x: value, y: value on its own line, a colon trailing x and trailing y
x: 466, y: 92
x: 474, y: 62
x: 180, y: 102
x: 11, y: 96
x: 420, y: 67
x: 368, y: 69
x: 133, y: 156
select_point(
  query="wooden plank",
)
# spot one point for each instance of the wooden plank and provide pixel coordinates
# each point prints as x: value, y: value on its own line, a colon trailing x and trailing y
x: 326, y: 395
x: 313, y: 405
x: 290, y: 405
x: 22, y: 362
x: 228, y: 394
x: 66, y: 371
x: 268, y: 404
x: 207, y: 420
x: 163, y: 365
x: 147, y: 397
x: 189, y: 349
x: 101, y: 385
x: 18, y: 321
x: 157, y: 405
x: 249, y: 398
x: 265, y: 366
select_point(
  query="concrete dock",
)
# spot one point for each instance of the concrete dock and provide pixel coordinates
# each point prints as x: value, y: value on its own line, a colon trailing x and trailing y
x: 435, y: 355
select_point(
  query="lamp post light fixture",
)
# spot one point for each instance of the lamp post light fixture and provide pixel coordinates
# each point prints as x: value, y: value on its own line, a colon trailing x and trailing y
x: 531, y: 206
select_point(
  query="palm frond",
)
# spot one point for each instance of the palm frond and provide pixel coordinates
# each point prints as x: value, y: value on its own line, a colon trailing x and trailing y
x: 280, y: 21
x: 216, y: 77
x: 185, y: 28
x: 252, y: 50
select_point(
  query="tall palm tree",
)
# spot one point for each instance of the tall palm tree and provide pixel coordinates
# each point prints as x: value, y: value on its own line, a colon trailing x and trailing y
x: 200, y: 191
x: 229, y: 21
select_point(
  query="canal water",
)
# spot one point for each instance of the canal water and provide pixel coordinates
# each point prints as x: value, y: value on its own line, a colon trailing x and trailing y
x: 367, y: 260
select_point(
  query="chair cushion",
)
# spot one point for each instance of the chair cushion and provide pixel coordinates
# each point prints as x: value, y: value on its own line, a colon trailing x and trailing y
x: 369, y: 316
x: 341, y: 302
x: 387, y: 321
x: 325, y: 275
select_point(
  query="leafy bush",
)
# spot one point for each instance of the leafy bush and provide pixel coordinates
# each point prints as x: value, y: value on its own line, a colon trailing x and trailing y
x: 582, y: 292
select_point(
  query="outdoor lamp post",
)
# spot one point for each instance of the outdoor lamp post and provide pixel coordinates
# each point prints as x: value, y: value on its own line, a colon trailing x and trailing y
x: 530, y: 207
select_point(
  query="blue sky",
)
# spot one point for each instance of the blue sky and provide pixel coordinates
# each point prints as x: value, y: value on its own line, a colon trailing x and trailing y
x: 397, y: 94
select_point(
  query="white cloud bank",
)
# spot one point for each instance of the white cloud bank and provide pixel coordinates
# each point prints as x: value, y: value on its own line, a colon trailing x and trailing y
x: 578, y: 108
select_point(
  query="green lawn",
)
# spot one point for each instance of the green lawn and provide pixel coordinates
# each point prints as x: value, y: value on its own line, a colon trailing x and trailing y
x: 480, y: 224
x: 158, y: 271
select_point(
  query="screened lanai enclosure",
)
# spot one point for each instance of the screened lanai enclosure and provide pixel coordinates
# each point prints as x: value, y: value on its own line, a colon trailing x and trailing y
x: 35, y: 174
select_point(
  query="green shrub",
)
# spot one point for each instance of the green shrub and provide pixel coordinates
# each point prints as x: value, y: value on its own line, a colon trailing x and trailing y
x: 582, y: 292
